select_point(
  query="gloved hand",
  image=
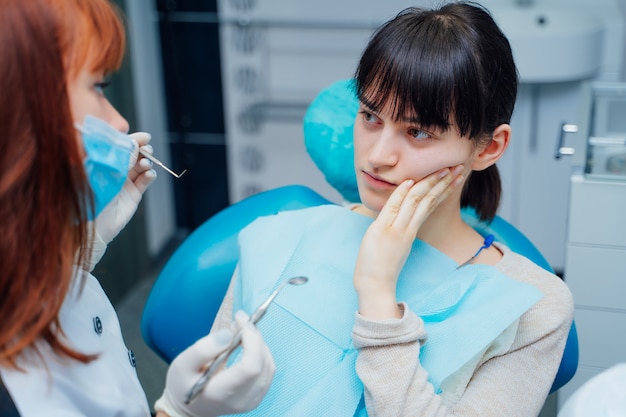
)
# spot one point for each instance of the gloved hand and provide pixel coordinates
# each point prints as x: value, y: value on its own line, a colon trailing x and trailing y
x: 116, y: 215
x: 236, y: 389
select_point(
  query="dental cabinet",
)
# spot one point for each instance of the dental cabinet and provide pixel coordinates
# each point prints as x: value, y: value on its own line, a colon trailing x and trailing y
x: 277, y: 55
x: 595, y: 268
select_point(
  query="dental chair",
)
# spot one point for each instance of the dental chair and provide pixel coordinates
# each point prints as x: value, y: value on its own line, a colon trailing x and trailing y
x: 189, y: 290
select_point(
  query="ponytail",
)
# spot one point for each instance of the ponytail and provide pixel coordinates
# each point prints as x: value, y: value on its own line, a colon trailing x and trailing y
x: 482, y: 193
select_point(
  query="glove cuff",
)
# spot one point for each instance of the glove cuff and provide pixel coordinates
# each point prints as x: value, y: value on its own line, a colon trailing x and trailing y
x: 98, y: 248
x: 165, y: 405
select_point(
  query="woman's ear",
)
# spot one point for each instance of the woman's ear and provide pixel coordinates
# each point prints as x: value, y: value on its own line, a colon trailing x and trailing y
x: 494, y: 150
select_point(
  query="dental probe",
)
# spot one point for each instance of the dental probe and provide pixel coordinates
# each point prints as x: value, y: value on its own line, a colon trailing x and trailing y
x: 159, y: 163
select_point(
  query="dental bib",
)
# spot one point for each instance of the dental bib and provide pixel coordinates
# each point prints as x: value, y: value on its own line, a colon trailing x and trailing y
x: 308, y: 329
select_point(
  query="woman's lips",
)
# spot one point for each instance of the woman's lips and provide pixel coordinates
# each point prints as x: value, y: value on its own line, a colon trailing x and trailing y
x: 377, y: 182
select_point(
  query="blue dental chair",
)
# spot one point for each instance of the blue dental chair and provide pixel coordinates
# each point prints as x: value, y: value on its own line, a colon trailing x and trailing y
x: 187, y: 293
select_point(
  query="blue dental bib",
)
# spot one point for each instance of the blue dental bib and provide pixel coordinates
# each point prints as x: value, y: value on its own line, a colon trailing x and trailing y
x: 309, y: 327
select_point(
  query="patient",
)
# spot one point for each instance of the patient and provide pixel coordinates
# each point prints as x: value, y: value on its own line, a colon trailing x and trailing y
x: 389, y: 325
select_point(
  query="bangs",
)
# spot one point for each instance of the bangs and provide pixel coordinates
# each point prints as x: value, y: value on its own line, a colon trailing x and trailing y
x: 420, y: 69
x: 95, y: 38
x: 109, y: 33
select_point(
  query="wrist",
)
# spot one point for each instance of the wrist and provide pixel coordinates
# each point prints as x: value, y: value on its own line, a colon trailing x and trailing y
x: 164, y: 407
x: 167, y: 407
x: 379, y: 305
x: 98, y: 248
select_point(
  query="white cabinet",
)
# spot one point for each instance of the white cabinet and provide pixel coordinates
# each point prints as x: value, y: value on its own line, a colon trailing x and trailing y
x: 595, y: 268
x: 276, y: 57
x: 595, y: 272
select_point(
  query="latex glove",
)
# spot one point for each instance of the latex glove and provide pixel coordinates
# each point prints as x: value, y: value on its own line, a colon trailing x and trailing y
x: 236, y: 389
x: 116, y: 215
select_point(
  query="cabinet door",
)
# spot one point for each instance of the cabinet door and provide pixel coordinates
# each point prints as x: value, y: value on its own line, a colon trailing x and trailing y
x: 596, y: 214
x: 595, y: 271
x: 535, y: 184
x: 271, y: 73
x: 596, y: 276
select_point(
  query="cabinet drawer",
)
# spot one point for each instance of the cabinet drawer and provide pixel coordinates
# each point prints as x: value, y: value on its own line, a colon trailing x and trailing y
x: 597, y: 212
x: 596, y: 276
x: 293, y: 59
x: 373, y: 12
x: 273, y: 158
x: 292, y: 72
x: 601, y: 337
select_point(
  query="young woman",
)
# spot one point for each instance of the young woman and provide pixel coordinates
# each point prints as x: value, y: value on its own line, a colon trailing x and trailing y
x: 65, y: 159
x: 395, y: 321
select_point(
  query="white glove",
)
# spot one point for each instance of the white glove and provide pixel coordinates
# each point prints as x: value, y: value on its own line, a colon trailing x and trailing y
x: 236, y: 389
x: 116, y: 215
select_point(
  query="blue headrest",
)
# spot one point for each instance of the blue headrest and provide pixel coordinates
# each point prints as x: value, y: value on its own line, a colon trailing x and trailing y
x: 328, y: 126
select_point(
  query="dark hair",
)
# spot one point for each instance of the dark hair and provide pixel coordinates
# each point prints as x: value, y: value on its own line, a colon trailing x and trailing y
x: 452, y: 64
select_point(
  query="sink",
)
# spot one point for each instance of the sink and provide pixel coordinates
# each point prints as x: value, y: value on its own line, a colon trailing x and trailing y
x: 553, y: 44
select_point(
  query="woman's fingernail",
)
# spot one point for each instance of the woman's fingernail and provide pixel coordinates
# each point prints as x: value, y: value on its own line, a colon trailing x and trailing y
x: 444, y: 172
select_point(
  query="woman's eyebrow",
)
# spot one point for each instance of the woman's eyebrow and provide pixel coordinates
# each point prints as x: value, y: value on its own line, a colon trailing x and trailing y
x: 367, y: 104
x: 413, y: 120
x: 370, y: 107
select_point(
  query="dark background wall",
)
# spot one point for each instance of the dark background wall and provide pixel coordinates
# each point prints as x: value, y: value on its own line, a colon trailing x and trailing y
x: 191, y: 68
x: 189, y: 41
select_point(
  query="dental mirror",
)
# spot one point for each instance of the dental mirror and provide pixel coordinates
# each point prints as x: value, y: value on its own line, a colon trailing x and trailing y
x: 254, y: 318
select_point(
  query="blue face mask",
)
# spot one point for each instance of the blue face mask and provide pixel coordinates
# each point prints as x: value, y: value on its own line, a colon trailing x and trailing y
x: 107, y: 161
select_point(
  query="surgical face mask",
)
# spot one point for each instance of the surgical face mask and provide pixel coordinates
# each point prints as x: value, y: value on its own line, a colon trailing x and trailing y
x: 107, y: 162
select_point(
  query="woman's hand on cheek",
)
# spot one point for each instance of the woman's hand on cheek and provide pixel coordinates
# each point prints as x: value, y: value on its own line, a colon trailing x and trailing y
x: 388, y: 241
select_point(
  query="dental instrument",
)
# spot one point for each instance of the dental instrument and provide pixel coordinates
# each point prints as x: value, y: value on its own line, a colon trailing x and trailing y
x: 159, y: 163
x: 236, y: 341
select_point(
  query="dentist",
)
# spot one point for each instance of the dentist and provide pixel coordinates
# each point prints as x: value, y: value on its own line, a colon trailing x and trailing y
x: 70, y: 179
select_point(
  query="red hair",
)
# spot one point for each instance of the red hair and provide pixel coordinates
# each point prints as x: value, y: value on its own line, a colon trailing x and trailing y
x: 91, y: 35
x: 43, y: 188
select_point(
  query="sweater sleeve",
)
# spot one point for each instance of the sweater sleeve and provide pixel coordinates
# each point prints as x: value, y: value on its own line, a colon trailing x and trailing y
x: 388, y: 365
x: 513, y: 384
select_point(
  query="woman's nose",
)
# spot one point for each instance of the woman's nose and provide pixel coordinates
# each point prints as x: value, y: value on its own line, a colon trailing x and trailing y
x: 384, y: 151
x: 117, y: 120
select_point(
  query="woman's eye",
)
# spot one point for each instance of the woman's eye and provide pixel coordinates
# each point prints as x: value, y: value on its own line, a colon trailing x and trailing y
x: 418, y: 134
x: 369, y: 117
x: 100, y: 86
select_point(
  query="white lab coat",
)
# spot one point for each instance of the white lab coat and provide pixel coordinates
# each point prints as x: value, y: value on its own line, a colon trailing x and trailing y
x: 602, y: 396
x: 108, y: 386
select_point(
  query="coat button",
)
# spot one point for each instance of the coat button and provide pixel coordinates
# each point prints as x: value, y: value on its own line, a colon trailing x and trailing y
x: 97, y: 325
x: 131, y: 358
